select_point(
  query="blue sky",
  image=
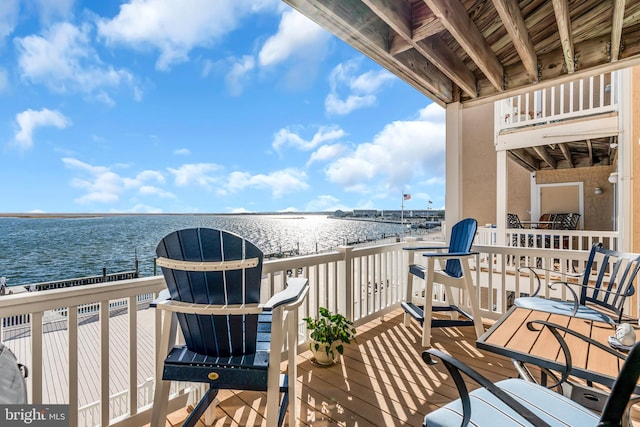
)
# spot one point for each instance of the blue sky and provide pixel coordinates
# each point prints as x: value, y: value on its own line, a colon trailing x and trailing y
x: 194, y: 106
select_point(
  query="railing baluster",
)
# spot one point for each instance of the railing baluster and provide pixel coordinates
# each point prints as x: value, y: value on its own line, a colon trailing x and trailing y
x: 571, y: 94
x: 104, y: 363
x: 36, y: 358
x: 72, y: 327
x: 133, y: 355
x: 601, y: 90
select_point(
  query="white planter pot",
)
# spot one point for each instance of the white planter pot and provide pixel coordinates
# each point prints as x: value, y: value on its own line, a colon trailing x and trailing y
x: 321, y: 356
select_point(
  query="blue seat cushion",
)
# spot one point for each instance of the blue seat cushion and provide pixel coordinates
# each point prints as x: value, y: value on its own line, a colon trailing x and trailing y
x: 561, y: 307
x: 488, y: 410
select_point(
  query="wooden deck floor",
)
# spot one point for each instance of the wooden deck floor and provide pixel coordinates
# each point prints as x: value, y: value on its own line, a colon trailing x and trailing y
x: 380, y: 381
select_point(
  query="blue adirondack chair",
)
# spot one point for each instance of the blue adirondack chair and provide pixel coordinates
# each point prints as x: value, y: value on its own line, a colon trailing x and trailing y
x: 607, y: 281
x: 232, y: 341
x: 517, y: 402
x: 455, y: 277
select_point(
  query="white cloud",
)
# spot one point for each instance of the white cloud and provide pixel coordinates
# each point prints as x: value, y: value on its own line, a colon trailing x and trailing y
x: 9, y: 13
x: 285, y: 137
x: 324, y: 203
x: 182, y: 152
x: 280, y: 182
x: 195, y: 174
x: 141, y: 208
x: 54, y: 10
x: 28, y: 121
x: 297, y: 36
x: 432, y: 113
x: 334, y: 105
x: 238, y: 76
x: 64, y: 60
x: 403, y: 151
x: 150, y: 190
x: 102, y: 185
x: 360, y: 88
x: 175, y: 27
x: 326, y: 152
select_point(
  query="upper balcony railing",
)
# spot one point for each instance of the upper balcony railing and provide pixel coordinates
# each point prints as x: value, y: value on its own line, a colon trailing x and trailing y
x: 578, y: 98
x: 361, y: 283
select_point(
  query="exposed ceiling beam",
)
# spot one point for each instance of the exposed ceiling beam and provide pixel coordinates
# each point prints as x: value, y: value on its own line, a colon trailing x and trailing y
x: 513, y: 21
x: 525, y: 159
x: 519, y: 161
x: 398, y: 16
x: 542, y: 152
x: 561, y: 9
x: 590, y: 148
x: 616, y: 28
x: 372, y: 40
x: 455, y: 19
x: 442, y: 57
x: 567, y: 154
x: 395, y: 13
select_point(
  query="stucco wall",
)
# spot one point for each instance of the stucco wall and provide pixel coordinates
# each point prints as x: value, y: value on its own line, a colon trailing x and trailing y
x: 519, y: 185
x: 479, y: 164
x: 479, y: 170
x: 598, y: 209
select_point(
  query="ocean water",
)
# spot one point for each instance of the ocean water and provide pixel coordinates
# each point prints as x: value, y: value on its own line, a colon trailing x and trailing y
x: 34, y: 250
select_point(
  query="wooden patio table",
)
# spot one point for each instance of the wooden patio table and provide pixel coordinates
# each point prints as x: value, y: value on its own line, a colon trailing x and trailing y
x: 511, y: 337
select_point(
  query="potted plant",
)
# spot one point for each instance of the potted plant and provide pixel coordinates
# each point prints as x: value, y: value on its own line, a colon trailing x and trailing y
x: 328, y: 334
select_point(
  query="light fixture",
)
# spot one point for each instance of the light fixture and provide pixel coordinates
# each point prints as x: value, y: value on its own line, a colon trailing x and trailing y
x: 597, y: 191
x: 613, y: 177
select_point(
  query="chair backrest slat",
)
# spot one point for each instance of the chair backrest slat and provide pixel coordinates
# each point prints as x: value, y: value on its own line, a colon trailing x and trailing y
x: 513, y: 221
x: 462, y: 235
x: 220, y: 335
x: 609, y: 278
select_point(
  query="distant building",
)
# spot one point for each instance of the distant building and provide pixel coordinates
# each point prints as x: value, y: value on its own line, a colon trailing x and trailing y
x: 365, y: 213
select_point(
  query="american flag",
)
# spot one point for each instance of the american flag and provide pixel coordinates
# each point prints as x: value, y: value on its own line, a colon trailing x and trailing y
x: 406, y: 196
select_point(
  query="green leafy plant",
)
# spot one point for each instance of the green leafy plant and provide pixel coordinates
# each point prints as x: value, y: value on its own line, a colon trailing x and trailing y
x: 328, y: 329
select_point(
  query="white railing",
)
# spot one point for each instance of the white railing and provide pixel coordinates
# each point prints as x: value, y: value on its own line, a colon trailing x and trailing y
x: 44, y: 306
x: 362, y: 283
x: 576, y: 240
x: 582, y: 97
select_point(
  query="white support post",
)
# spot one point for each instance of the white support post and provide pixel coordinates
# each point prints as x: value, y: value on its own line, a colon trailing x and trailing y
x: 501, y: 202
x: 453, y: 153
x: 625, y: 162
x: 346, y: 305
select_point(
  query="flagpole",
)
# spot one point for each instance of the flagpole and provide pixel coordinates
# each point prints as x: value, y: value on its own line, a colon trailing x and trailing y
x: 402, y: 209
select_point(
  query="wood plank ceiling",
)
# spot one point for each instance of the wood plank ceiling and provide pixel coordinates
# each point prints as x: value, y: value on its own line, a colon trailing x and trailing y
x: 478, y: 51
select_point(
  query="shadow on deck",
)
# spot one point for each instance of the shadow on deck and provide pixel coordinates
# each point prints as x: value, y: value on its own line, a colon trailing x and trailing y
x: 380, y: 381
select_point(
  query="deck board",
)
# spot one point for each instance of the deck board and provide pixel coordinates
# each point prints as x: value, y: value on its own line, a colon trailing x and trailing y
x: 381, y: 379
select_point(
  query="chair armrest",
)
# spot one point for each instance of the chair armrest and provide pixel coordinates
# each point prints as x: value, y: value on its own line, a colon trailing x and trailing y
x: 446, y: 255
x: 576, y: 302
x: 455, y: 368
x: 164, y: 295
x: 294, y: 293
x: 425, y: 248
